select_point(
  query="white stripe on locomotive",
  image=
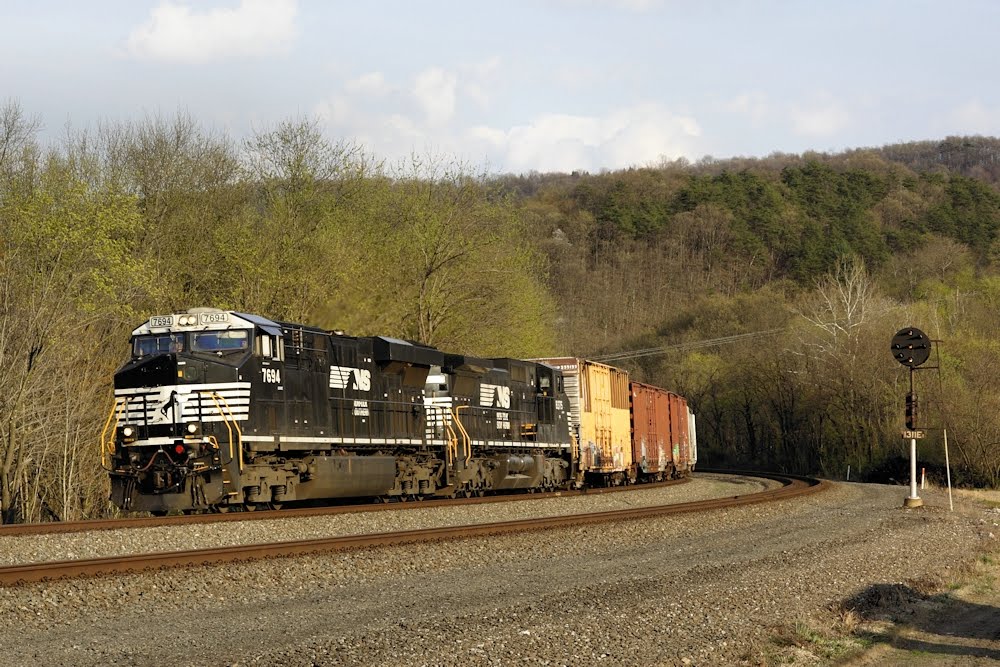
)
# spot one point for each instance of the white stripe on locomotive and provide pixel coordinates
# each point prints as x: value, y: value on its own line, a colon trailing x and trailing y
x: 157, y: 405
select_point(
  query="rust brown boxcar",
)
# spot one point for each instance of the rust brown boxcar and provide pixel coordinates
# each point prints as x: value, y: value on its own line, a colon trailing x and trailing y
x: 679, y: 437
x: 651, y: 441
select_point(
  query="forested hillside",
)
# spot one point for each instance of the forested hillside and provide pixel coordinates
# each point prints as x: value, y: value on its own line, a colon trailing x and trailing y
x: 814, y: 261
x: 817, y: 259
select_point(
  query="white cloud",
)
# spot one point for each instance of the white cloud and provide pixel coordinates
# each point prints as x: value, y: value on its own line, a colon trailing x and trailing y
x: 638, y: 6
x: 433, y: 111
x: 434, y: 91
x: 372, y: 83
x: 821, y: 118
x: 477, y: 78
x: 754, y: 105
x: 975, y: 118
x: 179, y: 33
x: 636, y: 135
x: 335, y: 111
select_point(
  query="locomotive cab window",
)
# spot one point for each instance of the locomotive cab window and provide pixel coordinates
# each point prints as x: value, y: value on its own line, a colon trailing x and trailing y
x: 269, y: 347
x: 220, y: 342
x: 146, y: 345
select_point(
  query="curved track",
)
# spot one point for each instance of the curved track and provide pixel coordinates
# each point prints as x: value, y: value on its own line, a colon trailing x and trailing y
x: 51, y: 528
x: 792, y: 486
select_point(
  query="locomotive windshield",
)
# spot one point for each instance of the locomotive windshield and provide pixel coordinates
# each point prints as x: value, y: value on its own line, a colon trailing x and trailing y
x: 220, y: 341
x: 145, y: 345
x: 216, y: 342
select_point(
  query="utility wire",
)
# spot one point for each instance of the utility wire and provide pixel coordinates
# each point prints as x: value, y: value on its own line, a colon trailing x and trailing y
x: 679, y: 347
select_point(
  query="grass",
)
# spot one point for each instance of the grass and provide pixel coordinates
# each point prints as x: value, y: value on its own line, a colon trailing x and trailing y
x: 849, y: 631
x: 989, y: 497
x: 827, y: 646
x: 917, y: 653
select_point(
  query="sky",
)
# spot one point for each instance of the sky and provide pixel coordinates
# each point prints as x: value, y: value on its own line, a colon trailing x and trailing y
x: 518, y: 86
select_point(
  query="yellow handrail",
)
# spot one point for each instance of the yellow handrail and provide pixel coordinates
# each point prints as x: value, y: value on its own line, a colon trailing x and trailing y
x: 452, y: 448
x: 230, y: 421
x: 451, y: 440
x: 107, y: 447
x: 465, y: 434
x: 213, y: 441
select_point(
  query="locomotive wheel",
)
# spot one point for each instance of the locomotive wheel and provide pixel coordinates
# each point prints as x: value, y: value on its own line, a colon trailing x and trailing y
x: 252, y: 507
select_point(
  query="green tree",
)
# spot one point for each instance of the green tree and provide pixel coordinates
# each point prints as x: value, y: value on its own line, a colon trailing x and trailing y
x: 67, y: 275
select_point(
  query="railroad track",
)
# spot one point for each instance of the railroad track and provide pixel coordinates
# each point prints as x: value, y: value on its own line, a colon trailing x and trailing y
x: 51, y: 528
x: 792, y: 486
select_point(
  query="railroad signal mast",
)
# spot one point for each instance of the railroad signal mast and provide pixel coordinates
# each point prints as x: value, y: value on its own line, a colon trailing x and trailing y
x: 912, y: 347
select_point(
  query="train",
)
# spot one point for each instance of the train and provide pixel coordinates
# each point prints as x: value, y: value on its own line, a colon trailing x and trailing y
x: 217, y: 410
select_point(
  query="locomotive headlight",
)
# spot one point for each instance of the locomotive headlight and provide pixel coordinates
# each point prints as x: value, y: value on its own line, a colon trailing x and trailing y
x: 187, y: 320
x: 192, y: 428
x: 128, y: 431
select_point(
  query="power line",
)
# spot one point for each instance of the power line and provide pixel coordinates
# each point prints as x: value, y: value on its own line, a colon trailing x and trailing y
x: 683, y: 347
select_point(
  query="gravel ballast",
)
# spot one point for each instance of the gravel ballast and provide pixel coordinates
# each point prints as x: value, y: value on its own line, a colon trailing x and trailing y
x: 99, y: 544
x: 708, y: 588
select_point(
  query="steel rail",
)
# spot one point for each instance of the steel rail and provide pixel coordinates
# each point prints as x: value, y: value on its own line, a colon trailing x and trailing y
x: 54, y: 527
x: 793, y: 486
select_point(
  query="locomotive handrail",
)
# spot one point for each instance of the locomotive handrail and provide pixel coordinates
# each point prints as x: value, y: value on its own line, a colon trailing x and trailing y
x: 452, y: 447
x: 226, y: 419
x: 107, y: 445
x: 466, y: 440
x: 226, y: 479
x: 226, y: 422
x: 214, y: 442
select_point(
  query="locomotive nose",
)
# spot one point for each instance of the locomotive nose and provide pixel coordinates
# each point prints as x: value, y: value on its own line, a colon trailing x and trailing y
x: 150, y: 371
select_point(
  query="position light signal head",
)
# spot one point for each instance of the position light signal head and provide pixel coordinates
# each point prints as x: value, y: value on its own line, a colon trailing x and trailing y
x: 911, y: 347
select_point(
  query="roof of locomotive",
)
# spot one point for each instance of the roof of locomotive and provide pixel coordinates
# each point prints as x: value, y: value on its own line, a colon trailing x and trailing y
x: 204, y: 319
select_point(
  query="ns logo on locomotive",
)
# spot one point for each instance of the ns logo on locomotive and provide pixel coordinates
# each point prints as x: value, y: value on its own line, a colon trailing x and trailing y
x: 219, y: 410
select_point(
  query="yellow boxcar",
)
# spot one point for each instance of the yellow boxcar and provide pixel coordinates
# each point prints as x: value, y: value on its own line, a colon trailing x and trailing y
x: 599, y: 414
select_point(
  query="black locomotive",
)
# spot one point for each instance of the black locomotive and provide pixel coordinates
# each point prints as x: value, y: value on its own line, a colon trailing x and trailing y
x: 218, y: 410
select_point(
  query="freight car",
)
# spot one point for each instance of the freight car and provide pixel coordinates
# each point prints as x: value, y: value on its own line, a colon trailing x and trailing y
x: 219, y: 410
x: 599, y: 415
x: 663, y: 443
x: 627, y: 431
